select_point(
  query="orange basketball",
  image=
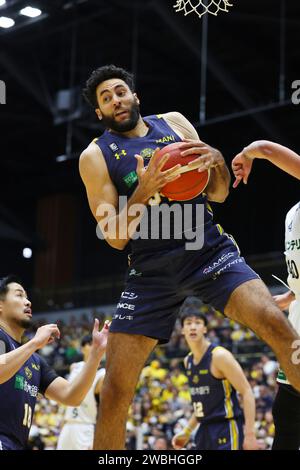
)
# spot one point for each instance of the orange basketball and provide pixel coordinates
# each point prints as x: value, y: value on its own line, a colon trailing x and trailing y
x: 191, y: 182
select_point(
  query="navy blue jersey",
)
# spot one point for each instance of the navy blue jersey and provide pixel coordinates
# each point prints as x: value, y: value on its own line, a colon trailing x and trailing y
x: 213, y: 399
x: 18, y: 395
x: 119, y: 151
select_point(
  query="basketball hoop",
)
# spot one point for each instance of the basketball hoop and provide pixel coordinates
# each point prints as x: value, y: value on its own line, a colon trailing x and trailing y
x: 201, y: 7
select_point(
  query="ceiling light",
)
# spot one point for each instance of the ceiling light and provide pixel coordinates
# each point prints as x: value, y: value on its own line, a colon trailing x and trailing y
x: 31, y: 12
x: 6, y: 22
x: 27, y: 253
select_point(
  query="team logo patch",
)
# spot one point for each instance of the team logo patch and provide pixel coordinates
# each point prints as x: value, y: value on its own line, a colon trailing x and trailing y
x: 147, y: 153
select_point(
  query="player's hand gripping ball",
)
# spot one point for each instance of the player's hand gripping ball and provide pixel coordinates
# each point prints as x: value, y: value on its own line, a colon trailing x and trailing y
x: 191, y: 183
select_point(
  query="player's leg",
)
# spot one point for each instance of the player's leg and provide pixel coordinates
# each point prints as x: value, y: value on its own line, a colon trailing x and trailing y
x: 251, y: 304
x: 286, y: 414
x: 126, y: 355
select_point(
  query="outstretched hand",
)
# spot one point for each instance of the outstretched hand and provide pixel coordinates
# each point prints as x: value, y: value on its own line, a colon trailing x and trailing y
x: 241, y: 167
x: 100, y: 337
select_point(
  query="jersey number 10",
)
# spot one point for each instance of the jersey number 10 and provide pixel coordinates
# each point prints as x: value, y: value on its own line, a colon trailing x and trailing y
x: 27, y: 415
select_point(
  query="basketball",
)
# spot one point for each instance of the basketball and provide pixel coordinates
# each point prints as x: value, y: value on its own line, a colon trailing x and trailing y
x: 191, y: 183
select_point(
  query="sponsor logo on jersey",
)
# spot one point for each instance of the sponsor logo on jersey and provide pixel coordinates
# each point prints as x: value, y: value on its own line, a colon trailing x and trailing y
x: 166, y: 139
x: 35, y: 366
x: 222, y: 440
x: 118, y: 316
x: 205, y: 390
x: 22, y: 384
x: 218, y: 263
x: 118, y: 155
x: 292, y: 245
x: 133, y: 272
x: 113, y: 146
x: 130, y: 179
x: 128, y: 295
x: 125, y: 306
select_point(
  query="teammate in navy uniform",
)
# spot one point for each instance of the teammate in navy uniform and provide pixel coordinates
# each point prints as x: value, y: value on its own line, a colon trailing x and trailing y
x: 286, y: 406
x: 214, y: 379
x: 24, y: 373
x: 162, y: 271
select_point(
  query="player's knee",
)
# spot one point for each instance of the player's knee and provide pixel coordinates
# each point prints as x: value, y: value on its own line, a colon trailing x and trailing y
x: 117, y: 389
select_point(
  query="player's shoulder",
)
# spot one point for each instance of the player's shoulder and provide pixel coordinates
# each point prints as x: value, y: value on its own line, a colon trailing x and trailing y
x: 4, y: 338
x: 173, y: 116
x: 90, y: 152
x: 220, y: 353
x: 91, y: 161
x: 187, y: 358
x: 293, y: 214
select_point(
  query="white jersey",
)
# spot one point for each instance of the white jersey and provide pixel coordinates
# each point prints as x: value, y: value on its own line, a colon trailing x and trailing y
x: 292, y: 256
x: 86, y: 413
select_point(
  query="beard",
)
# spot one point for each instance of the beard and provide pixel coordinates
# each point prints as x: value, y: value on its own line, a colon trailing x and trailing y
x: 125, y: 126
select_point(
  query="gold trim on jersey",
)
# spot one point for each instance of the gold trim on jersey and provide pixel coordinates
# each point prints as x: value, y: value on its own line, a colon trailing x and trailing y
x: 227, y: 401
x: 234, y: 435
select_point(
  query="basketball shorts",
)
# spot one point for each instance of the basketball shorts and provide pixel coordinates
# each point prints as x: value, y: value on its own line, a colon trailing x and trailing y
x: 75, y: 436
x: 157, y: 284
x: 7, y: 443
x: 224, y: 435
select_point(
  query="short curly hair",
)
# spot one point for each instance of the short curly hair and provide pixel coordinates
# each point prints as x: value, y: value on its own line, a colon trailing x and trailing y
x: 100, y: 75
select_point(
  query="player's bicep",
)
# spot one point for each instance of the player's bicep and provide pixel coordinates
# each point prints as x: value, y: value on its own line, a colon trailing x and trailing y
x: 99, y: 188
x: 181, y: 125
x: 103, y: 201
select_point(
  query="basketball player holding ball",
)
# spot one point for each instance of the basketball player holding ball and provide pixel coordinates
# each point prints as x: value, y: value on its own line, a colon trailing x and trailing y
x: 125, y: 161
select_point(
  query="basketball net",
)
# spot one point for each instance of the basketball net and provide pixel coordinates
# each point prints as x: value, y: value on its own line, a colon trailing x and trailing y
x: 201, y: 7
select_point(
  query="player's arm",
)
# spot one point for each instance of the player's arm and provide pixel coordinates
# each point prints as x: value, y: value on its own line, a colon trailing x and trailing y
x: 217, y: 189
x: 181, y: 439
x: 280, y: 156
x: 12, y: 361
x: 119, y: 225
x: 72, y: 393
x: 224, y: 366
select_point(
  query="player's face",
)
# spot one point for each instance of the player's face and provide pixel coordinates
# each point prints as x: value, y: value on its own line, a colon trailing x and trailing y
x: 118, y: 106
x: 16, y: 307
x: 193, y: 328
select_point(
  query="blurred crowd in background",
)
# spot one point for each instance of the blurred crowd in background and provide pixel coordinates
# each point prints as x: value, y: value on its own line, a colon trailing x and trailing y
x: 161, y: 406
